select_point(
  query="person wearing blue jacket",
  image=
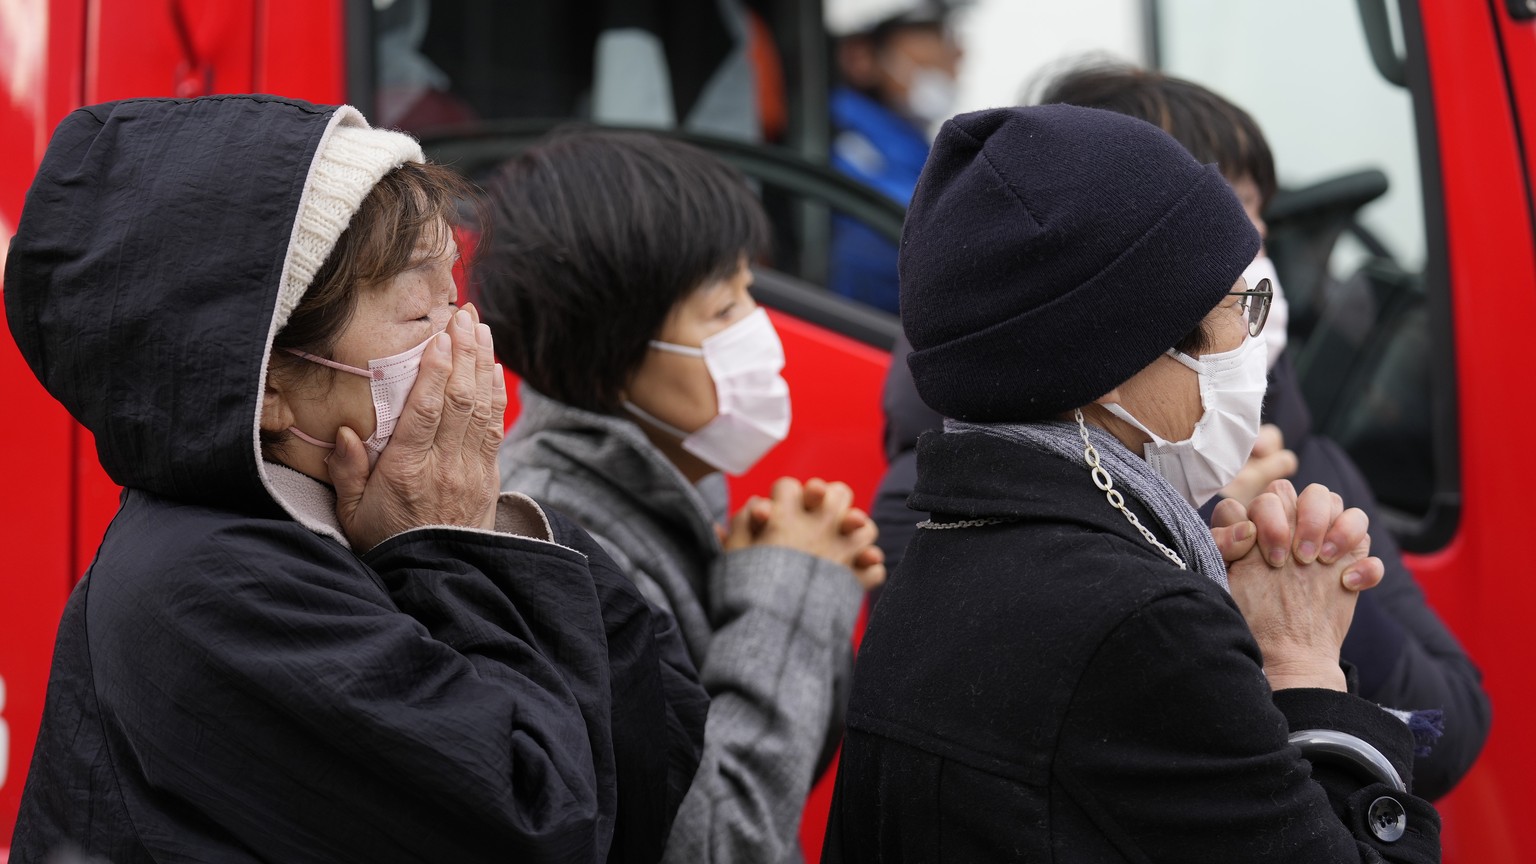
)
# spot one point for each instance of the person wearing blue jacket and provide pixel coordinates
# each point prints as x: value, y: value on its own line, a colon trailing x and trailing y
x: 898, y: 68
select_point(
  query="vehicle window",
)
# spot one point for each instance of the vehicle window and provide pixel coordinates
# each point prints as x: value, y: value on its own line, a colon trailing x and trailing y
x: 1347, y: 232
x: 481, y: 79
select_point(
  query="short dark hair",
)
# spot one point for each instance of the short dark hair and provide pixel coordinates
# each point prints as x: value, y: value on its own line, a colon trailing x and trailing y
x: 1209, y: 126
x: 598, y: 235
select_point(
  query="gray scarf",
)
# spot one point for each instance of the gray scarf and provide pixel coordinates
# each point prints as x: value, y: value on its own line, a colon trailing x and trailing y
x: 1192, y: 539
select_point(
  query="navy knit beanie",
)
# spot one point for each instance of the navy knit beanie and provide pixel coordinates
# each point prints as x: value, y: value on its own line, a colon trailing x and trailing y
x: 1052, y: 252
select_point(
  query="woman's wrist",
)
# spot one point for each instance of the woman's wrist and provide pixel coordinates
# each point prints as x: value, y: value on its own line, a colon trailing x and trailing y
x: 1320, y: 675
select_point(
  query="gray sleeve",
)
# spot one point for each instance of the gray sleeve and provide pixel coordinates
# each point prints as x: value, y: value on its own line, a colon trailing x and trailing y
x: 782, y: 622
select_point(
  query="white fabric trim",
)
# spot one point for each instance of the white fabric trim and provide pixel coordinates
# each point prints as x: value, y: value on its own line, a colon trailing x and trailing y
x: 310, y: 502
x: 313, y: 505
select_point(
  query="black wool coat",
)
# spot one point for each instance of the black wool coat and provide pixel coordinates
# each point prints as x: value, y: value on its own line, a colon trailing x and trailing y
x: 1406, y: 657
x: 1052, y: 689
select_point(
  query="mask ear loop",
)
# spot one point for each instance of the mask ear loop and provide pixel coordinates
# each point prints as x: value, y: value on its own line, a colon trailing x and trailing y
x: 310, y: 439
x: 685, y: 350
x: 313, y: 358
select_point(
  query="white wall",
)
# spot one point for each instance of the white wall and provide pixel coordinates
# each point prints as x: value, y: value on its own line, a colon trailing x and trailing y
x: 1008, y: 42
x: 1302, y: 69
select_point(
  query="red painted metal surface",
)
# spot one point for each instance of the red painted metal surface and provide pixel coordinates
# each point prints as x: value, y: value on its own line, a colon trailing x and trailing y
x: 56, y: 55
x: 301, y: 49
x: 1479, y: 582
x: 40, y: 81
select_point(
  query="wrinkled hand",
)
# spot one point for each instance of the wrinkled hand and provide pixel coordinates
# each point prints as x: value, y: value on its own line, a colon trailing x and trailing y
x: 1268, y: 462
x: 439, y: 467
x: 818, y: 518
x: 1295, y: 565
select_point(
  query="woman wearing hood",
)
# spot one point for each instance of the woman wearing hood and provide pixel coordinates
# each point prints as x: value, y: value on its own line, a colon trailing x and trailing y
x: 315, y: 630
x: 1069, y: 665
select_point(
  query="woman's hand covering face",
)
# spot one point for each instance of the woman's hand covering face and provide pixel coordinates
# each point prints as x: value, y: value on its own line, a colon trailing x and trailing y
x: 1295, y: 565
x: 439, y: 468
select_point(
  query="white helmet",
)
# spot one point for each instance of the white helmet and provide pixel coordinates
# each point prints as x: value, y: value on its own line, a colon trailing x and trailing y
x: 851, y: 17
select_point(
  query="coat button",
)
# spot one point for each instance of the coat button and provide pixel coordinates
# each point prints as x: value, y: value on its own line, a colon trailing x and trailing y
x: 1387, y: 818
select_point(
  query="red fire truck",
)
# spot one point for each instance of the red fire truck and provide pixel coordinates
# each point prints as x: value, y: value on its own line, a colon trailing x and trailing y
x: 1429, y: 399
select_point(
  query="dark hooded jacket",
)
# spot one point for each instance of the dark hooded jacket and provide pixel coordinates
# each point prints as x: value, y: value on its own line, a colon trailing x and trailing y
x: 231, y: 681
x: 1405, y: 656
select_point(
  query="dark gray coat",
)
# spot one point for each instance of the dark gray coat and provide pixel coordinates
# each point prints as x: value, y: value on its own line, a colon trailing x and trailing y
x: 769, y: 627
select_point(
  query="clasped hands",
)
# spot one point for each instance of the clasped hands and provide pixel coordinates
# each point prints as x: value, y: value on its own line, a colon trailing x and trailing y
x: 815, y: 517
x: 1296, y: 564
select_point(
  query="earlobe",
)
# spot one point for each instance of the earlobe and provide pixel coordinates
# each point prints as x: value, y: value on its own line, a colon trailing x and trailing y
x: 276, y: 414
x: 1111, y: 396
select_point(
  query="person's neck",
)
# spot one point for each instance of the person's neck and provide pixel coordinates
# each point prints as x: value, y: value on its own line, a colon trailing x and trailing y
x: 690, y: 466
x: 1132, y: 438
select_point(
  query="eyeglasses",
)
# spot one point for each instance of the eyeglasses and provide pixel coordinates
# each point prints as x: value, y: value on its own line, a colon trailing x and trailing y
x: 1255, y: 305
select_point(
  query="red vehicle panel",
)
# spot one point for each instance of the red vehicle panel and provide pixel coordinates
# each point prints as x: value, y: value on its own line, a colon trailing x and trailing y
x: 1477, y: 582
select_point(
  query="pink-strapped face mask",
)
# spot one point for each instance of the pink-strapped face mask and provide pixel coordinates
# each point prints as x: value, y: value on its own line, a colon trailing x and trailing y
x: 390, y: 379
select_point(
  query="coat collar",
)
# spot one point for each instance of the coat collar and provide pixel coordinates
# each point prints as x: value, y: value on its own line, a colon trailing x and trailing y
x: 974, y: 475
x: 567, y: 439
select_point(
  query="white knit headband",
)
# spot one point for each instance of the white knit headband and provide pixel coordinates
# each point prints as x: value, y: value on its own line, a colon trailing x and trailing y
x: 350, y: 161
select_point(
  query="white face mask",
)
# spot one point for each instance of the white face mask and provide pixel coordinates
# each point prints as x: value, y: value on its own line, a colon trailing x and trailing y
x: 1279, y: 312
x: 931, y: 95
x: 744, y: 360
x: 391, y: 380
x: 1232, y: 393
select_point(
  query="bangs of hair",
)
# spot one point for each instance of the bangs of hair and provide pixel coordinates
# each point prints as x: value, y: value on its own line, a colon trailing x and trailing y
x: 412, y: 205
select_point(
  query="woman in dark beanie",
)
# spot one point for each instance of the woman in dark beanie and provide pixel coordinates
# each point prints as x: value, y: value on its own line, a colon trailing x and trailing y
x: 1406, y: 657
x: 1070, y: 666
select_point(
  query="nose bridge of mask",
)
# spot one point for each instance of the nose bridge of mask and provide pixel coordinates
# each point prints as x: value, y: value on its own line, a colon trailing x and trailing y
x: 1209, y: 367
x: 747, y: 353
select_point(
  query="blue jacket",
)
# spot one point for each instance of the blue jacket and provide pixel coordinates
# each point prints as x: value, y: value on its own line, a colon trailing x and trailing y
x: 882, y: 149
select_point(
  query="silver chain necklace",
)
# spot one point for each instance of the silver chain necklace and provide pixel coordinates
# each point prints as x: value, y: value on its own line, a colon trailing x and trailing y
x: 963, y: 523
x: 1116, y: 500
